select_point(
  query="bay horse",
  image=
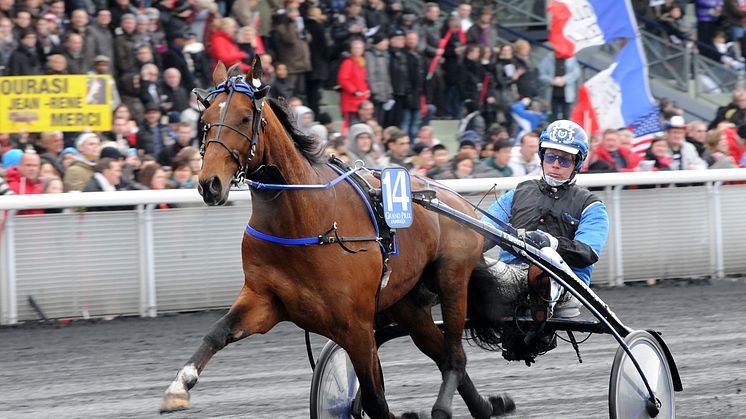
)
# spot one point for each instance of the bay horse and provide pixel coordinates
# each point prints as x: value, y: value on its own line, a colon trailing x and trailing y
x: 335, y: 289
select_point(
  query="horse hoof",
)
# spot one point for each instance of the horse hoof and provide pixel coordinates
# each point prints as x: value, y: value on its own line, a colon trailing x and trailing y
x: 502, y: 404
x: 174, y: 403
x: 413, y: 415
x: 440, y: 414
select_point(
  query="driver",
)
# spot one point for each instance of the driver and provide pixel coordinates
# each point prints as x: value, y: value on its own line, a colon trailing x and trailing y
x: 555, y: 214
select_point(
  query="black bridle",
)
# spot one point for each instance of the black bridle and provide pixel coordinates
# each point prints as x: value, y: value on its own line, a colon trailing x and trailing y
x: 231, y: 85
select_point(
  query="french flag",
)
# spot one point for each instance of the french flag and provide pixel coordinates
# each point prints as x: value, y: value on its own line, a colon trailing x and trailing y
x: 618, y: 96
x: 578, y: 24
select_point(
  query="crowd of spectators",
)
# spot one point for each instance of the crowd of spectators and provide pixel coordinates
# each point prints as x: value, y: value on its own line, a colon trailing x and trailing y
x: 396, y: 65
x: 716, y: 30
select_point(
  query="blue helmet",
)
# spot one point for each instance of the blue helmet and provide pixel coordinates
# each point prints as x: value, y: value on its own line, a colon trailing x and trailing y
x: 567, y: 136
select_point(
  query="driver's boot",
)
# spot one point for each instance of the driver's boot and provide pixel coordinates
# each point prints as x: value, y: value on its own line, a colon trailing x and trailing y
x: 540, y: 300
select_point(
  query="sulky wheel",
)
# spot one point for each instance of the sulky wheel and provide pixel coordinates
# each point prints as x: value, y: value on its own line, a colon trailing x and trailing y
x: 334, y: 385
x: 628, y: 396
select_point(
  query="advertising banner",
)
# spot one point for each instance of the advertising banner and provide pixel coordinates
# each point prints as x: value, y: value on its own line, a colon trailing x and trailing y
x: 55, y: 103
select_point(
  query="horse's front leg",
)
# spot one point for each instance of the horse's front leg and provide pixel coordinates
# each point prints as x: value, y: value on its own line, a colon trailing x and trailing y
x: 360, y: 345
x: 251, y: 313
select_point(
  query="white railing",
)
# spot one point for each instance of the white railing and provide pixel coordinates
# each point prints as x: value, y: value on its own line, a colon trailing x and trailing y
x: 146, y: 202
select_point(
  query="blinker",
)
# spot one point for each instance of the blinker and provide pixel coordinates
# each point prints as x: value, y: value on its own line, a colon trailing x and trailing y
x: 261, y: 93
x: 203, y: 96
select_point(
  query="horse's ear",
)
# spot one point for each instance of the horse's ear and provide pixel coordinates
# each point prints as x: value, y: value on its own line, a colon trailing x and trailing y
x: 232, y: 69
x: 256, y: 72
x: 219, y: 74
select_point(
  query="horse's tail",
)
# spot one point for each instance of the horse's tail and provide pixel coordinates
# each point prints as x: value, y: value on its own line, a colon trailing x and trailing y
x: 486, y: 307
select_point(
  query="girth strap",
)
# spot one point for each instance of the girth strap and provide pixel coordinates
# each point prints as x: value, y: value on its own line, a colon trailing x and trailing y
x: 306, y: 241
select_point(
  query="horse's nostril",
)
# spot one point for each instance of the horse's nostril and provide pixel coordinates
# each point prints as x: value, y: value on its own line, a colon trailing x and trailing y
x: 213, y: 187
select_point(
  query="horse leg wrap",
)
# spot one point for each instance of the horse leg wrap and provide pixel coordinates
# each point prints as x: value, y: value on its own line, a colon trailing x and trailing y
x: 443, y: 405
x: 479, y: 407
x: 357, y: 406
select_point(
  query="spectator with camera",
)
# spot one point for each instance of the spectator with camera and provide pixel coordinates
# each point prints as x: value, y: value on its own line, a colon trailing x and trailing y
x: 189, y: 57
x: 184, y: 138
x: 348, y: 26
x: 293, y: 49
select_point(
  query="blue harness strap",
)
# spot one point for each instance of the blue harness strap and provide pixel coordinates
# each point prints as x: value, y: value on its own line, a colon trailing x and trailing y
x: 304, y: 241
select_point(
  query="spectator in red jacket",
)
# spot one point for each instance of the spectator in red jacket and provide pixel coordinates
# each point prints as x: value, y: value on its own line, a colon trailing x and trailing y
x: 352, y: 78
x: 619, y: 159
x: 224, y: 47
x: 23, y: 179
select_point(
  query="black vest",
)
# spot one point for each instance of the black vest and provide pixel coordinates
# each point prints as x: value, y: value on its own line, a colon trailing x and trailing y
x: 537, y: 207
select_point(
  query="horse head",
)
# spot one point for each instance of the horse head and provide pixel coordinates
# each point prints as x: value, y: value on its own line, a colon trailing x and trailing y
x: 232, y: 123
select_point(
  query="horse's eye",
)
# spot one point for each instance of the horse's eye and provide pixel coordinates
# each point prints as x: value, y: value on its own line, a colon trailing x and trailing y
x: 245, y: 120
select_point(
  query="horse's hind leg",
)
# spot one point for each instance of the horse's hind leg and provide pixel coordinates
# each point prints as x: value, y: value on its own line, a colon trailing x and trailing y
x: 251, y: 313
x: 452, y: 278
x: 417, y: 320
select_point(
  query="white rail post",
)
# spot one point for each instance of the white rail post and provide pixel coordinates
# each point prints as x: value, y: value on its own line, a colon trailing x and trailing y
x: 3, y: 272
x: 710, y: 188
x: 10, y: 312
x: 618, y: 258
x: 148, y: 301
x: 141, y: 259
x: 717, y: 231
x: 609, y: 190
x: 150, y: 262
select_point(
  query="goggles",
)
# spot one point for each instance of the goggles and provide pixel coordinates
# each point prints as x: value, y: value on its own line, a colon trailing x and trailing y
x: 563, y: 161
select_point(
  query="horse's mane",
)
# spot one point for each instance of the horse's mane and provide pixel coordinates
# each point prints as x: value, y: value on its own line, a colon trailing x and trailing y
x: 309, y: 146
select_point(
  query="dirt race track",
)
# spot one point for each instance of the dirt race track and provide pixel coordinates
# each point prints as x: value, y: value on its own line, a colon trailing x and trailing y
x: 120, y: 368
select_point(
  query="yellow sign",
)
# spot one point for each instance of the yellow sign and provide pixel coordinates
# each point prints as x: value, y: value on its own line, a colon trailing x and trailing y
x: 55, y: 103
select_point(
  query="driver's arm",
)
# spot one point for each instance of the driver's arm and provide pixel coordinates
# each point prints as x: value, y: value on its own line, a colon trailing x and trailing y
x: 500, y: 209
x: 590, y: 237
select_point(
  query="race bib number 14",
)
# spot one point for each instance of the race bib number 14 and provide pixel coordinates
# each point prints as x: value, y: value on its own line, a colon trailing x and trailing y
x: 397, y: 197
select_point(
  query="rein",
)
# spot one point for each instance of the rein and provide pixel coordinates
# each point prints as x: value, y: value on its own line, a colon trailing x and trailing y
x: 278, y: 186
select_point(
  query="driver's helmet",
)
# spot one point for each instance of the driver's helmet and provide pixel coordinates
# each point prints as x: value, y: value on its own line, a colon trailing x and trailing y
x: 567, y: 136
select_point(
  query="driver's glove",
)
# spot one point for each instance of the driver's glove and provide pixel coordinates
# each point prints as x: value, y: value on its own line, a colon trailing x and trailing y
x: 542, y: 239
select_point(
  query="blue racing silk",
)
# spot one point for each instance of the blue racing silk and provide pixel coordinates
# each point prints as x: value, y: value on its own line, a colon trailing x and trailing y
x: 592, y: 231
